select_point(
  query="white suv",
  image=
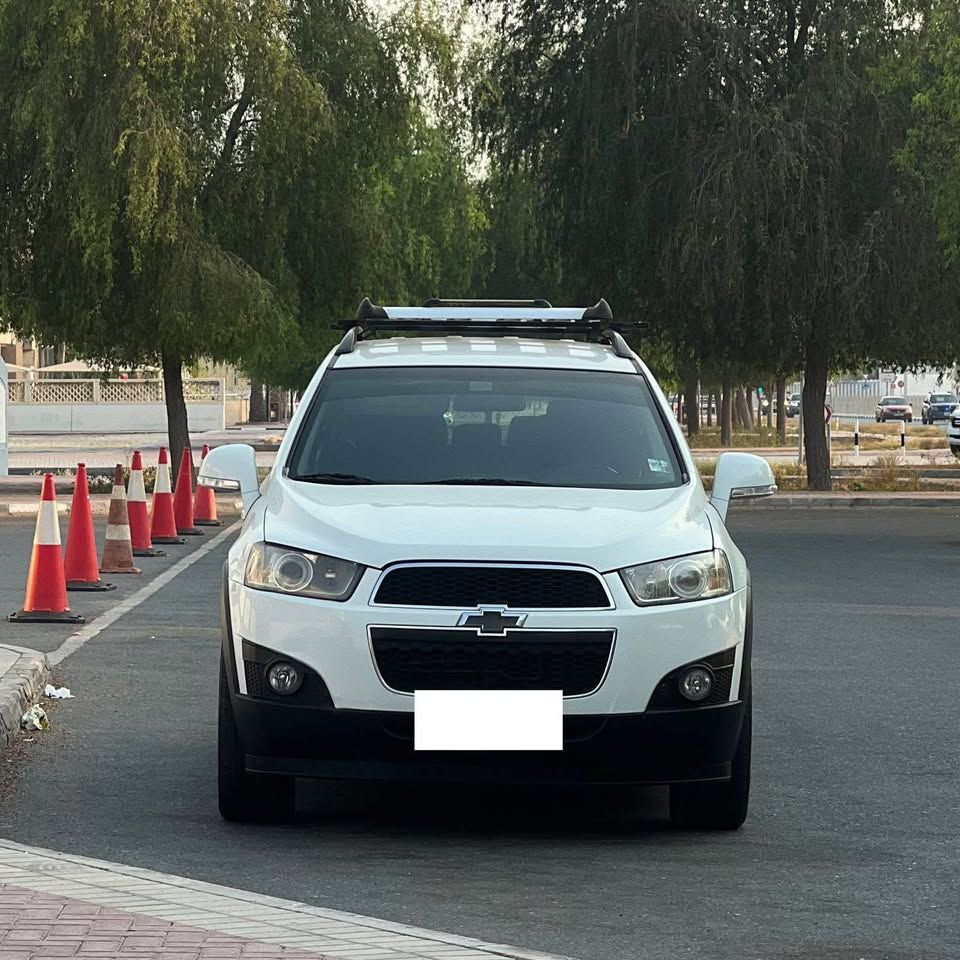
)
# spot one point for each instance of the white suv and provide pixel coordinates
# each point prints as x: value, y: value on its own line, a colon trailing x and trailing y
x: 500, y: 501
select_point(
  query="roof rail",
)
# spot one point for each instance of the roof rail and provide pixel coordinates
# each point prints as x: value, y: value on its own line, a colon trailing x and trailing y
x: 490, y: 318
x: 437, y: 302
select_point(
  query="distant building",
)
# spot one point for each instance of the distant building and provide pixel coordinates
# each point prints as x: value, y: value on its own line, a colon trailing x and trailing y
x: 18, y: 352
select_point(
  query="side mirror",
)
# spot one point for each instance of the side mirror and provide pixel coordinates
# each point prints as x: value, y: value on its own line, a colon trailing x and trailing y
x: 739, y: 476
x: 232, y: 469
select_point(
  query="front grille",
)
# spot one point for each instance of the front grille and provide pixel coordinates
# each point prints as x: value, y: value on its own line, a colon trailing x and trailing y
x: 420, y: 659
x: 471, y: 586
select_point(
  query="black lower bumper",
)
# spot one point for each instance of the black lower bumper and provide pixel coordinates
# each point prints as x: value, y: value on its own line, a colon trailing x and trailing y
x: 653, y: 747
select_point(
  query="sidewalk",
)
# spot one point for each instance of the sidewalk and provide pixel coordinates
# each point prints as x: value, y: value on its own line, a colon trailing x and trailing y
x: 54, y: 905
x: 19, y: 504
x: 37, y: 452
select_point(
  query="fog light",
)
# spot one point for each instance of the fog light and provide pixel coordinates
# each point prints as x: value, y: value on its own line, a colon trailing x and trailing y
x: 284, y: 678
x: 696, y: 683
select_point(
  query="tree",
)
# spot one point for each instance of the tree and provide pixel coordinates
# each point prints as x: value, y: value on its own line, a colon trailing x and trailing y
x: 122, y: 128
x: 732, y: 174
x: 222, y: 179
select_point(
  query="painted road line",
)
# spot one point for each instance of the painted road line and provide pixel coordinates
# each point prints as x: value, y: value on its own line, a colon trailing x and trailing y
x: 265, y: 919
x: 76, y: 640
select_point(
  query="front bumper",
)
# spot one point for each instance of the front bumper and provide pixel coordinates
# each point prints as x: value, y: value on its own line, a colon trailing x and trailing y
x: 667, y: 747
x: 607, y: 738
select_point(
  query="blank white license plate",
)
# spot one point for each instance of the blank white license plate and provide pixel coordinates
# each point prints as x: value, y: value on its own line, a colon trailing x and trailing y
x: 488, y: 720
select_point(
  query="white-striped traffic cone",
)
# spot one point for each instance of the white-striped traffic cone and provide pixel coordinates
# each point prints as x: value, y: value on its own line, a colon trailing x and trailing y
x: 45, y: 600
x: 163, y: 526
x: 137, y: 511
x: 117, y: 548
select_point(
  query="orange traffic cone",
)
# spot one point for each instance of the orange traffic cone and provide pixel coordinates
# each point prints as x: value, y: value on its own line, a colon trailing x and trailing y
x: 205, y: 502
x: 46, y: 595
x: 80, y: 564
x: 163, y: 528
x: 183, y: 498
x: 117, y: 548
x: 137, y: 511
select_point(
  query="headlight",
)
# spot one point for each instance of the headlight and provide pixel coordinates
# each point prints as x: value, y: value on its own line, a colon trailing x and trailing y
x: 695, y: 577
x: 284, y: 570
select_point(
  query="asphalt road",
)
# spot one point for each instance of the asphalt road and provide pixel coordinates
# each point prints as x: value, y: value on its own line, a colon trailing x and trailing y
x: 851, y: 849
x: 16, y: 545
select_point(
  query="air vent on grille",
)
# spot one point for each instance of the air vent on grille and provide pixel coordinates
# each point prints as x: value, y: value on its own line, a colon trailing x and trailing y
x: 419, y: 659
x: 467, y: 586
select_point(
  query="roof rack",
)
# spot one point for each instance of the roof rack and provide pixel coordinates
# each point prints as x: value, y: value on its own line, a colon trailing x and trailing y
x: 491, y: 318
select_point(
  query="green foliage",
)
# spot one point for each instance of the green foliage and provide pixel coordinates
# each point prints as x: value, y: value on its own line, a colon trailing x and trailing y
x: 222, y: 179
x: 930, y: 69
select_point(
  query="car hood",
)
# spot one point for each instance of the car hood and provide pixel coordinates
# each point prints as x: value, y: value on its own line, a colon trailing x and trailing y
x: 379, y: 525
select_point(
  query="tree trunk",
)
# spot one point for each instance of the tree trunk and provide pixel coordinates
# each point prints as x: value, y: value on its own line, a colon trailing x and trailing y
x: 711, y: 399
x: 769, y: 398
x: 781, y: 411
x: 692, y: 398
x: 814, y: 429
x: 178, y: 433
x: 726, y: 415
x: 744, y: 408
x: 258, y: 405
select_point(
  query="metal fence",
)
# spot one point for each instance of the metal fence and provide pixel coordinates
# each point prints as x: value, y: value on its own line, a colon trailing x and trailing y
x: 109, y: 391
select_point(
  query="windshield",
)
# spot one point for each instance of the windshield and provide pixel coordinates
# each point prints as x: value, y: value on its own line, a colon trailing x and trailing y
x: 557, y: 428
x: 893, y: 402
x: 943, y: 398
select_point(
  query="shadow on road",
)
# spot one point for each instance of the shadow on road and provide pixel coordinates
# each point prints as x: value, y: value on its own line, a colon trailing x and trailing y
x: 463, y: 811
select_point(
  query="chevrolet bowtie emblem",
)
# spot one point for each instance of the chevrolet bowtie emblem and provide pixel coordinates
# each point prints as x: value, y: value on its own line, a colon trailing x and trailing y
x: 491, y: 620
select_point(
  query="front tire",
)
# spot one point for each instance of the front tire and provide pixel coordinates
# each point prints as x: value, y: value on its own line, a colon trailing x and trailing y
x: 246, y: 797
x: 718, y: 806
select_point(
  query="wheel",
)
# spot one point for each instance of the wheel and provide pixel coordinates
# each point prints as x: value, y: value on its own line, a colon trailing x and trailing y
x: 882, y: 420
x: 956, y: 452
x: 923, y: 420
x: 246, y: 797
x: 717, y: 806
x: 909, y: 419
x: 877, y: 418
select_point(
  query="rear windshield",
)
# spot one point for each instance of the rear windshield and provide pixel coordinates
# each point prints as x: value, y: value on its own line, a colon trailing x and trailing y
x: 943, y: 398
x: 477, y: 425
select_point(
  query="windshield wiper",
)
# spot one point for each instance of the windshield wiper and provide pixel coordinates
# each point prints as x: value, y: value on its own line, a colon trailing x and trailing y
x: 487, y: 481
x: 332, y: 478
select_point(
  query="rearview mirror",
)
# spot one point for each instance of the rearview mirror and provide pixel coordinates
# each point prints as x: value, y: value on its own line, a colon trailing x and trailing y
x: 741, y: 476
x: 232, y: 468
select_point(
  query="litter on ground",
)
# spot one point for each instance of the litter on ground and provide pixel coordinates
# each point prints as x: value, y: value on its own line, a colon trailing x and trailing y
x: 35, y: 718
x: 57, y: 693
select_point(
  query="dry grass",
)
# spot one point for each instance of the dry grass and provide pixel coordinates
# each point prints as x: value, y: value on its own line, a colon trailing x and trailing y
x: 758, y: 437
x: 884, y: 474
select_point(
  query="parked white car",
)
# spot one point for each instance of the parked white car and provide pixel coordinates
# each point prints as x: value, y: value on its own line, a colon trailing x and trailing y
x: 501, y: 501
x: 953, y: 431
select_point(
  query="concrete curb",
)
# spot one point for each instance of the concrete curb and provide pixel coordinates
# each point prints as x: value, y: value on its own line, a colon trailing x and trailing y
x: 20, y: 686
x: 786, y: 501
